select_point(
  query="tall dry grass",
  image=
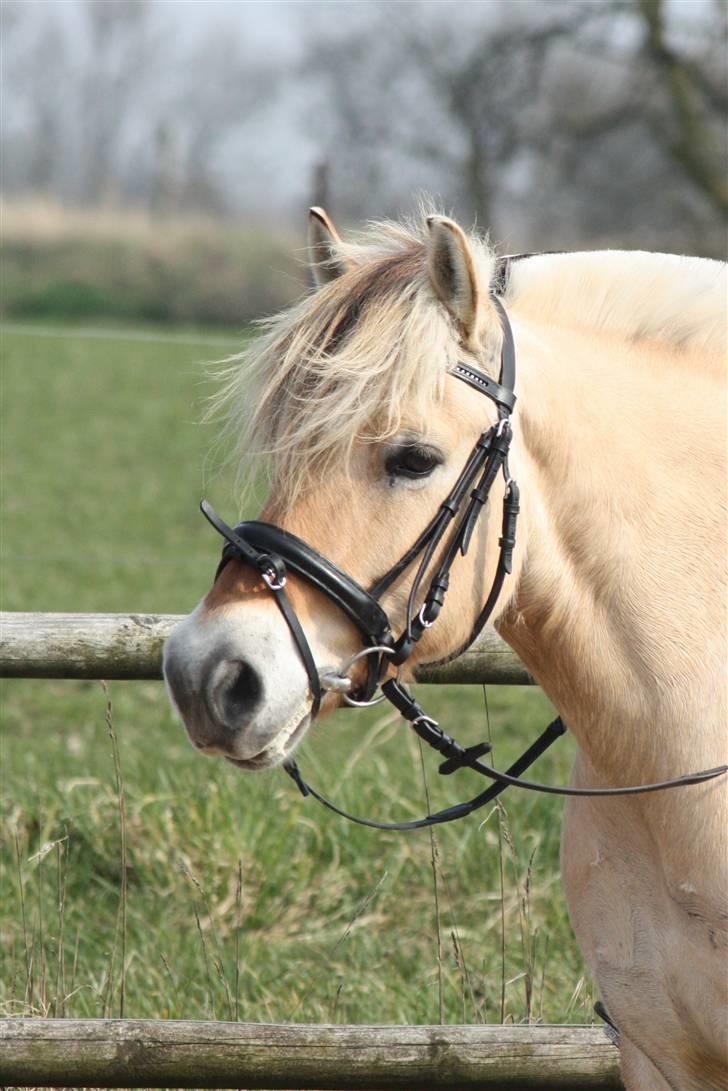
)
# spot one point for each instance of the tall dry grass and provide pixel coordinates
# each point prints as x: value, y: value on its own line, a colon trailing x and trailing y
x: 63, y: 263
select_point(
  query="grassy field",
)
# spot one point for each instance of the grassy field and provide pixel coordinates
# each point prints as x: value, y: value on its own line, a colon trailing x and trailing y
x: 138, y: 877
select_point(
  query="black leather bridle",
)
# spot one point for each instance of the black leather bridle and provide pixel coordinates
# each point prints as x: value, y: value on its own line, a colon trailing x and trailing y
x: 273, y: 552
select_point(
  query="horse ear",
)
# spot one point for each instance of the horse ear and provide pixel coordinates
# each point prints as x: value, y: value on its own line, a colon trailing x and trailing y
x: 323, y: 242
x: 454, y: 276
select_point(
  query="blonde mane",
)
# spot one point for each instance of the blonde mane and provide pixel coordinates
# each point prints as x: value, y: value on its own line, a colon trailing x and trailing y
x: 633, y: 294
x: 337, y: 367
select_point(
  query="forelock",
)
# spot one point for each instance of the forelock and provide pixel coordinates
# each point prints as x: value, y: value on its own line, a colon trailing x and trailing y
x: 340, y: 366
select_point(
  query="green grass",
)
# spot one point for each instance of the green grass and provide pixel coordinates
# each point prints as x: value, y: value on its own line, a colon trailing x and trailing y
x: 242, y: 900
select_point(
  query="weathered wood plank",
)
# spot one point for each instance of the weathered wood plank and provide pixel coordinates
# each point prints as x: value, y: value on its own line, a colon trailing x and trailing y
x: 489, y: 660
x: 83, y: 645
x: 130, y: 646
x: 158, y: 1053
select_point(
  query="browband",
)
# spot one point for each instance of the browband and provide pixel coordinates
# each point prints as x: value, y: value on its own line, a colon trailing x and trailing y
x: 503, y: 392
x: 503, y: 397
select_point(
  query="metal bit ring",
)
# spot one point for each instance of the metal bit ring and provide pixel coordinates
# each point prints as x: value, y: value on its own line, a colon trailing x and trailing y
x: 384, y: 649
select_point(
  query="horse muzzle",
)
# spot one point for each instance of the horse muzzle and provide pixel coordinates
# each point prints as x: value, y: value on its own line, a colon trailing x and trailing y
x: 238, y: 686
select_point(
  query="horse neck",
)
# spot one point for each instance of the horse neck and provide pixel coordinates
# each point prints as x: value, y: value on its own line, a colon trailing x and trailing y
x: 612, y: 614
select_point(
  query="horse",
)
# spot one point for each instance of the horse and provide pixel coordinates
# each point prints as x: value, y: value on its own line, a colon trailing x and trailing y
x: 615, y: 598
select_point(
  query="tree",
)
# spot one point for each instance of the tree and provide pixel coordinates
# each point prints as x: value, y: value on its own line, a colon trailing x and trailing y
x: 114, y: 77
x: 550, y: 123
x: 691, y: 124
x: 32, y: 70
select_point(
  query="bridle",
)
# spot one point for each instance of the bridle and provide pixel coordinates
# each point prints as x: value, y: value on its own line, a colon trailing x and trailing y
x: 273, y: 552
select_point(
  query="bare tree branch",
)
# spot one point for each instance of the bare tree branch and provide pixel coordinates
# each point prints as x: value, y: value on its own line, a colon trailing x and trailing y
x: 693, y: 147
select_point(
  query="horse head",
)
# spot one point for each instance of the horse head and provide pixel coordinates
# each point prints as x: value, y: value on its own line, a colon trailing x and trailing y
x: 367, y: 429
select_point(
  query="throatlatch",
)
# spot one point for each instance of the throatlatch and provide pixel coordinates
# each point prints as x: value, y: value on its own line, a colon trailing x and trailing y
x: 273, y: 551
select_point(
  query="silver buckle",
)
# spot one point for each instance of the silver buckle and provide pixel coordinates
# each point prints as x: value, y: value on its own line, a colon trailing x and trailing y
x: 424, y: 719
x: 422, y: 619
x: 271, y: 580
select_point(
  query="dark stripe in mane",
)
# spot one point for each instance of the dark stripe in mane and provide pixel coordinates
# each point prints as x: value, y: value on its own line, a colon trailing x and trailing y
x: 367, y: 285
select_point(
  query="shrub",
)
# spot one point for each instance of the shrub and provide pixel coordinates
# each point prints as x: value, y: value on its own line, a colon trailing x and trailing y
x: 60, y: 263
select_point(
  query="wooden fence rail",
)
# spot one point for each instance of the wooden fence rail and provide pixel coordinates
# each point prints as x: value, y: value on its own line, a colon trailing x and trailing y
x: 130, y: 646
x: 159, y: 1053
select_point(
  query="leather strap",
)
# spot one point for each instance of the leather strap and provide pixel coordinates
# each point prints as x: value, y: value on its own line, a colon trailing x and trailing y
x: 445, y: 514
x: 304, y: 648
x: 273, y: 571
x: 459, y: 757
x: 448, y: 814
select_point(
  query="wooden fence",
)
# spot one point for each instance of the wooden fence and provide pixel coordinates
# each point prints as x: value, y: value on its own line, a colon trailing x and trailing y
x: 130, y: 646
x: 165, y: 1053
x: 162, y: 1053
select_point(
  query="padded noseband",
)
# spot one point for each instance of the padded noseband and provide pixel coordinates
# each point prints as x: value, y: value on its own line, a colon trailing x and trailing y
x: 299, y: 557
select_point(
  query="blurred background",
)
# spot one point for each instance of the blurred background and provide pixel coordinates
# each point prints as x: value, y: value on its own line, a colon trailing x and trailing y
x: 159, y: 155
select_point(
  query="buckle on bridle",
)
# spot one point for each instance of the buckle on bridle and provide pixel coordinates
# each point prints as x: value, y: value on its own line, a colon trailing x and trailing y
x: 424, y: 622
x: 425, y: 719
x: 272, y: 580
x: 272, y: 572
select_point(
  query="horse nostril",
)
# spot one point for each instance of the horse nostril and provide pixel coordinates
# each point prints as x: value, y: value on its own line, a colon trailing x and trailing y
x: 245, y: 690
x: 236, y: 692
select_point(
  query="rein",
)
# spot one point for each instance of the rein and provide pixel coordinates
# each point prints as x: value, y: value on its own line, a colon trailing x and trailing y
x: 273, y: 551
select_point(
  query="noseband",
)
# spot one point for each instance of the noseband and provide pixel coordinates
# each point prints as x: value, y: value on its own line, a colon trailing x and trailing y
x: 273, y: 552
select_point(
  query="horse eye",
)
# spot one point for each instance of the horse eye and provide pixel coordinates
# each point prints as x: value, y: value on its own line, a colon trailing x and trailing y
x: 412, y: 462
